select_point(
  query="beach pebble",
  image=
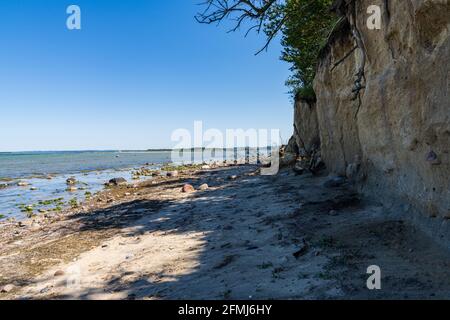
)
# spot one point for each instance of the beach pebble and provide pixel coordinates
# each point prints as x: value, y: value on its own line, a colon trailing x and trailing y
x: 23, y: 184
x: 3, y: 185
x: 117, y: 182
x: 433, y: 158
x: 172, y: 174
x: 204, y: 187
x: 71, y: 181
x: 299, y: 169
x: 334, y: 182
x: 7, y: 288
x: 187, y: 188
x: 72, y: 189
x: 129, y: 256
x: 33, y: 188
x: 59, y: 273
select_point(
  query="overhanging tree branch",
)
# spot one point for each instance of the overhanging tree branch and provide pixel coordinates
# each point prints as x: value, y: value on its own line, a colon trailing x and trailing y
x: 255, y: 12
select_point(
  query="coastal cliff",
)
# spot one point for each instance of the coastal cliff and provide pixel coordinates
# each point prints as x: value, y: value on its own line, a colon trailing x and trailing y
x: 392, y: 139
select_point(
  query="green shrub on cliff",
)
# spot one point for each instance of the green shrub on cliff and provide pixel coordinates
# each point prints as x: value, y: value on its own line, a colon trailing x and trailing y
x: 305, y: 33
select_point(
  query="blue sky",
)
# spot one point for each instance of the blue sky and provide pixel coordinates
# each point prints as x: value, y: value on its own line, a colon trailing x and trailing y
x: 136, y: 71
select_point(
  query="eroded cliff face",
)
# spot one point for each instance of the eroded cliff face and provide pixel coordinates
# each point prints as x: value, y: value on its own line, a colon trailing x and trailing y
x: 394, y: 141
x: 306, y: 127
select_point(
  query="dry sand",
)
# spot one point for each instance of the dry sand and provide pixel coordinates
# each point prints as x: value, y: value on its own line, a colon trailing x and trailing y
x: 280, y: 237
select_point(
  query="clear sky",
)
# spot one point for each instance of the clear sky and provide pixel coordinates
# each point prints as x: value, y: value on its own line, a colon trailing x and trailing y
x: 134, y: 73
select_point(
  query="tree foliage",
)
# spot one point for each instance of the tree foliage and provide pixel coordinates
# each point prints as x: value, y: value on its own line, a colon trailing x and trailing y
x: 305, y: 32
x: 304, y: 25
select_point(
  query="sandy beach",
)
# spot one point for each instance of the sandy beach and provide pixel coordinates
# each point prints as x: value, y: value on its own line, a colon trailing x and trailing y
x: 246, y: 236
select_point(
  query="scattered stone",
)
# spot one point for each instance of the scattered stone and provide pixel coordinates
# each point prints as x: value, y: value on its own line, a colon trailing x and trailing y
x: 298, y: 169
x: 333, y: 213
x: 129, y: 256
x: 352, y: 171
x: 71, y: 181
x: 117, y: 182
x: 187, y: 188
x: 33, y: 188
x: 225, y: 262
x: 206, y: 167
x: 204, y: 187
x: 334, y: 182
x: 7, y: 288
x: 72, y: 189
x: 172, y: 174
x: 302, y: 251
x: 23, y: 184
x: 433, y: 158
x: 59, y: 273
x: 233, y: 177
x: 127, y: 194
x: 3, y: 185
x: 44, y: 290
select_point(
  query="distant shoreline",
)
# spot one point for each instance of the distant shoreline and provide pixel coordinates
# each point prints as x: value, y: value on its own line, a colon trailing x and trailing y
x: 124, y: 151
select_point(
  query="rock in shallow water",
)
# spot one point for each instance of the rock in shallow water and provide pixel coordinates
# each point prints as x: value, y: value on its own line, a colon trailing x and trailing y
x: 204, y: 187
x: 71, y: 181
x: 187, y: 188
x: 117, y: 182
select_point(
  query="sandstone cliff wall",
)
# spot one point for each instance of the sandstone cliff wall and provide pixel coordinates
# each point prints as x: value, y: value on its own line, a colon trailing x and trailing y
x: 394, y: 142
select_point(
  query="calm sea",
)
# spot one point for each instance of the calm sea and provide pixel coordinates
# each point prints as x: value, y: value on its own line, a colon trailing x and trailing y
x: 91, y: 169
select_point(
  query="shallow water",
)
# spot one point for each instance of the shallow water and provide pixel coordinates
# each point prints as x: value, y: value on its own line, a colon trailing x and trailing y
x: 91, y: 170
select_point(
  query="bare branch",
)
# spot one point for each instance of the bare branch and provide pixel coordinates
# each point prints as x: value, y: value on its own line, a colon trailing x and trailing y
x: 254, y: 12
